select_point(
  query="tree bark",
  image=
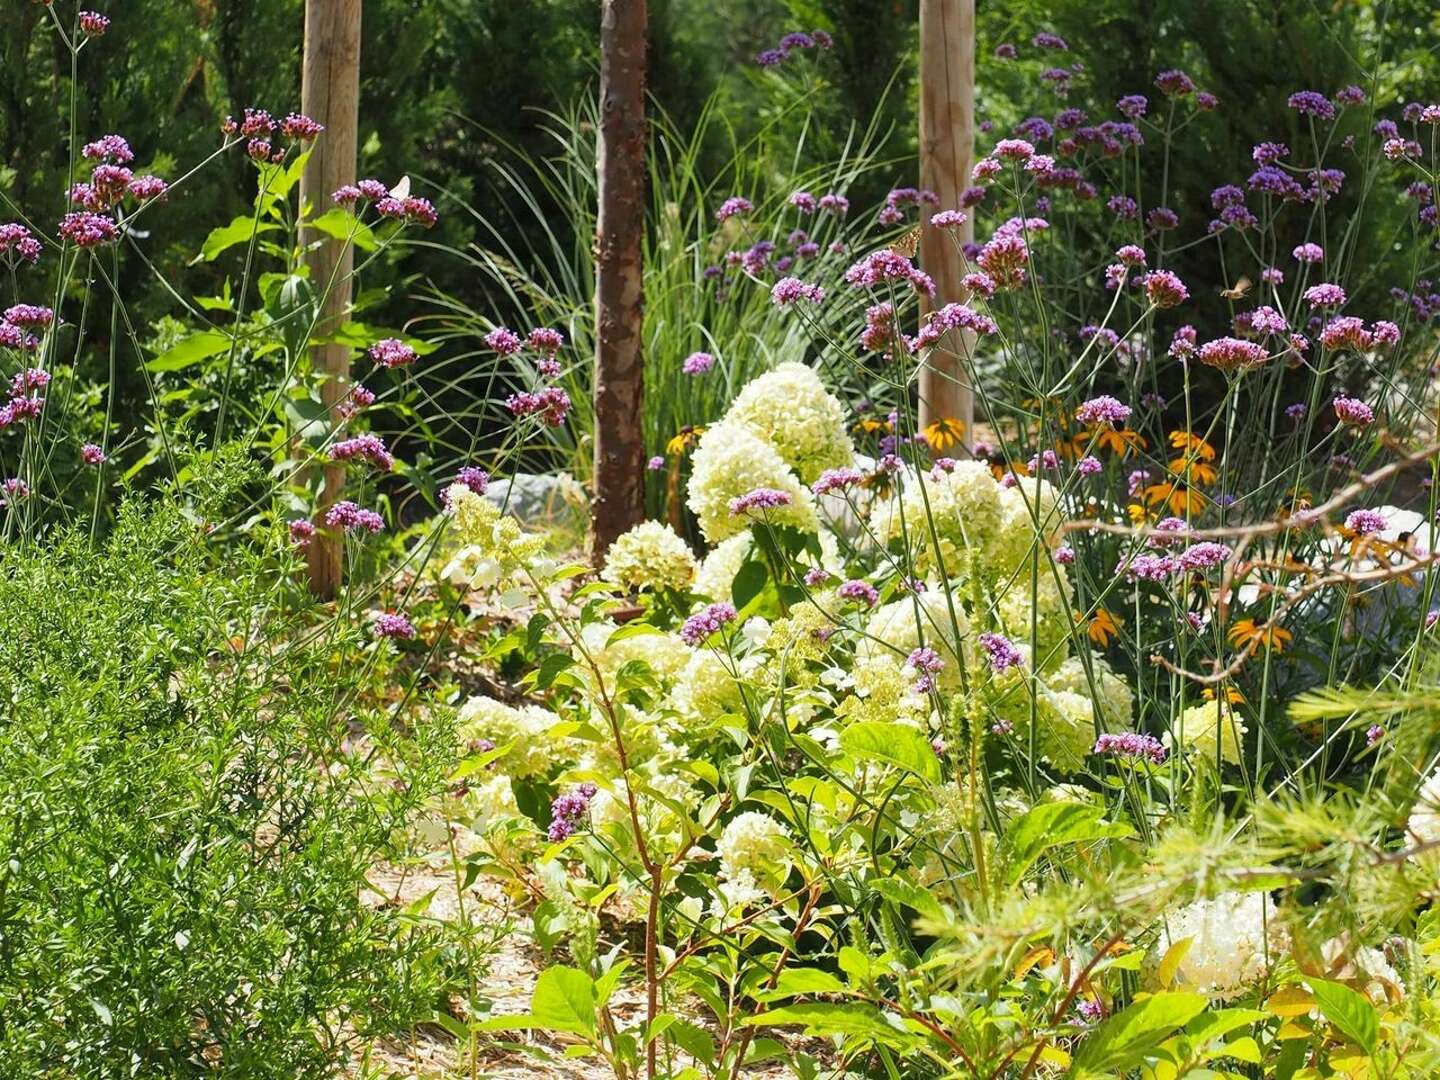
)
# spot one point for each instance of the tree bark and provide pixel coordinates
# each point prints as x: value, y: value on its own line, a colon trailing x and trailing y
x: 619, y: 483
x: 947, y: 143
x: 330, y: 93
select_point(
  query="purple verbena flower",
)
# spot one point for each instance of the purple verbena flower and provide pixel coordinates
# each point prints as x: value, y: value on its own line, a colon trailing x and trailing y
x: 1002, y: 652
x: 704, y: 623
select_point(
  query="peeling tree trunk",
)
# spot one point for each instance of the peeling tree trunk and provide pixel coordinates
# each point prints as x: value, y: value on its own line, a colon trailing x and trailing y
x: 947, y: 142
x: 619, y: 288
x: 330, y: 92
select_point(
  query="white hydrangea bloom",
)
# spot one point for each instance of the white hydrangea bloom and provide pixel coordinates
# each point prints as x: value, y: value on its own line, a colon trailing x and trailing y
x: 1066, y: 732
x: 706, y: 689
x: 532, y: 751
x: 1051, y: 606
x: 650, y: 556
x: 664, y: 828
x: 718, y: 569
x: 754, y: 850
x: 1028, y: 520
x: 732, y: 461
x: 1112, y: 693
x: 790, y: 409
x: 666, y: 654
x: 964, y: 505
x: 896, y: 629
x: 1347, y: 963
x: 1424, y: 823
x: 1233, y: 940
x: 1204, y: 727
x: 489, y: 801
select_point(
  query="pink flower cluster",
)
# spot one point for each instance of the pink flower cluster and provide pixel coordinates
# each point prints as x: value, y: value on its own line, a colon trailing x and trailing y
x: 952, y: 317
x: 365, y: 447
x: 759, y: 499
x: 392, y: 353
x: 792, y: 290
x: 886, y: 265
x: 1348, y: 332
x: 1002, y: 652
x: 926, y: 663
x: 697, y: 363
x: 550, y: 403
x: 1353, y: 411
x: 392, y: 625
x: 837, y: 480
x: 1103, y: 410
x: 1133, y: 745
x: 862, y: 592
x: 349, y: 517
x: 702, y: 624
x: 17, y: 243
x: 25, y: 403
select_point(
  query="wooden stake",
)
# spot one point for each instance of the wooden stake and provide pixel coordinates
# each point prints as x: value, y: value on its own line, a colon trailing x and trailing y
x: 330, y: 93
x: 619, y: 482
x: 947, y: 143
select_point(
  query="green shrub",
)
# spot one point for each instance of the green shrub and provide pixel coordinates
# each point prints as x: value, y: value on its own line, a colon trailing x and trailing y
x: 186, y: 838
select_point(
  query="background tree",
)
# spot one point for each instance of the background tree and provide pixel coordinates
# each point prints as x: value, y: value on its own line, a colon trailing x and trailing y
x: 619, y: 489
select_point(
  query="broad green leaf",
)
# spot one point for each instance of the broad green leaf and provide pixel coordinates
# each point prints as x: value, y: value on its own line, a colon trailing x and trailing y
x: 343, y: 225
x: 748, y: 583
x: 1243, y: 1049
x: 824, y: 1018
x: 901, y: 891
x: 564, y: 1000
x: 854, y: 963
x: 1214, y: 1025
x: 794, y: 981
x: 239, y: 231
x: 893, y: 744
x: 1350, y: 1011
x: 191, y: 351
x: 1052, y: 824
x: 1121, y: 1042
x: 693, y: 1039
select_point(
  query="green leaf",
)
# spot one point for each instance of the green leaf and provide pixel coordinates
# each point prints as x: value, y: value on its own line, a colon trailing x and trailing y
x: 693, y: 1039
x: 1348, y: 1010
x: 748, y: 583
x: 191, y: 351
x: 564, y: 1000
x: 1221, y: 1022
x: 239, y: 231
x: 894, y: 744
x: 794, y: 981
x: 854, y: 963
x: 1052, y: 824
x: 551, y: 667
x: 1121, y: 1042
x: 343, y: 225
x: 900, y: 891
x: 825, y: 1018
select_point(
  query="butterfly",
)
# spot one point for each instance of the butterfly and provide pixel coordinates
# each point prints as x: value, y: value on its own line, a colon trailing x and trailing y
x: 908, y: 244
x: 1238, y: 290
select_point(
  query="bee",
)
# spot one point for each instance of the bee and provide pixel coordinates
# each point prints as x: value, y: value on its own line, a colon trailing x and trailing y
x: 1238, y: 290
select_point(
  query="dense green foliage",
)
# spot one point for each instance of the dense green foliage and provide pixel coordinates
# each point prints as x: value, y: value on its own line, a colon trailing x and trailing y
x: 186, y: 836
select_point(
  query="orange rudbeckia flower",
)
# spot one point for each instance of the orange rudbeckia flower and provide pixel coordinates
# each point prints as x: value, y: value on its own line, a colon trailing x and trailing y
x: 1103, y: 626
x: 944, y: 432
x: 1183, y: 501
x: 1254, y: 636
x: 684, y: 439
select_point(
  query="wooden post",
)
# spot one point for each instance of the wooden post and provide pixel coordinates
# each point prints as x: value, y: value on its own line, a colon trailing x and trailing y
x: 619, y: 483
x: 947, y: 143
x: 330, y: 93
